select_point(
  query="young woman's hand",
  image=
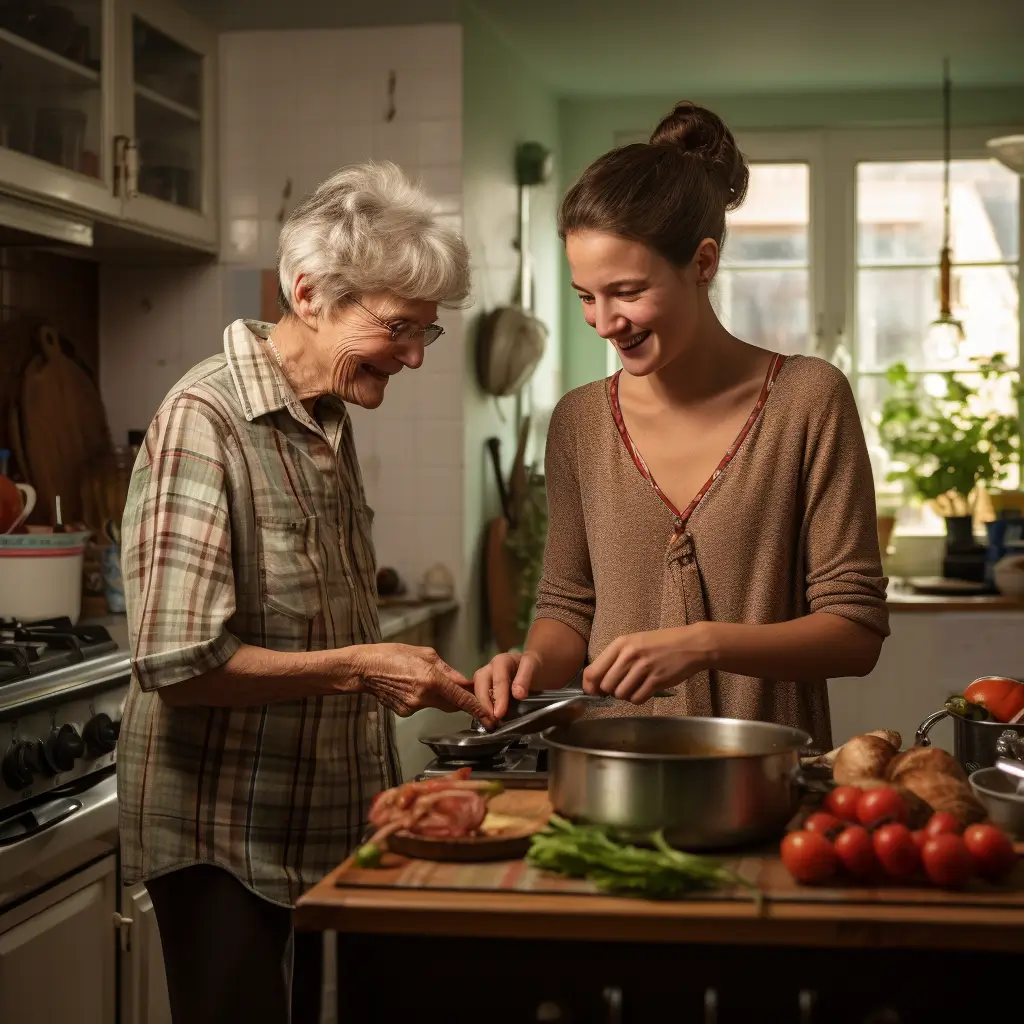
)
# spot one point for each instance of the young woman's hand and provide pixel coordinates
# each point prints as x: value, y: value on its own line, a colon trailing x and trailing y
x: 506, y: 674
x: 636, y: 666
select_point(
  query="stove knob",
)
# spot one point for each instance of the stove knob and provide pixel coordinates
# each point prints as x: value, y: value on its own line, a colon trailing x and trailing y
x: 101, y: 734
x: 63, y: 747
x: 22, y: 761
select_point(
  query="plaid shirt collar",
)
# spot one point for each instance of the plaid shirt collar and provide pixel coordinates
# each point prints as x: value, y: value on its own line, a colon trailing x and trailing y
x: 261, y: 385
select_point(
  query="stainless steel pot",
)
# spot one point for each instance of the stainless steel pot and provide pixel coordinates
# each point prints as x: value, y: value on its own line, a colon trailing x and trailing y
x: 998, y: 794
x: 706, y: 782
x: 976, y: 745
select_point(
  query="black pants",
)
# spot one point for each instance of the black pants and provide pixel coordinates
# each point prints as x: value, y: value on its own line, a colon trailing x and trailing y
x: 231, y: 956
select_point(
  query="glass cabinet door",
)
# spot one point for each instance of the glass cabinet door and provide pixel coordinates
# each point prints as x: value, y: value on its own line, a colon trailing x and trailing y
x: 51, y: 101
x: 168, y: 82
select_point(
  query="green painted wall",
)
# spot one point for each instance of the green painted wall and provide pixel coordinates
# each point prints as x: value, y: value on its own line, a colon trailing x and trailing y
x: 589, y: 128
x: 503, y: 105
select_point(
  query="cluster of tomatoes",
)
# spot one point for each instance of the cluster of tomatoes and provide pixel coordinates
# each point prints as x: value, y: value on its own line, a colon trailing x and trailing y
x: 865, y: 832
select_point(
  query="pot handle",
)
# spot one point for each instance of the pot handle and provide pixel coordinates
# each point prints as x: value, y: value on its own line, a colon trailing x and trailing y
x: 808, y: 783
x: 1010, y: 745
x: 921, y: 736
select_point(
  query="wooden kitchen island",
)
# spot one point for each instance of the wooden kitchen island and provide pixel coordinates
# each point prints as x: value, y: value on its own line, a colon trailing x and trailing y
x: 503, y: 942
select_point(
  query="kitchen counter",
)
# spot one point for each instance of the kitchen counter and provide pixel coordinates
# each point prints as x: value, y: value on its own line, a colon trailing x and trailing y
x: 901, y: 598
x: 541, y: 942
x: 395, y: 619
x: 400, y: 618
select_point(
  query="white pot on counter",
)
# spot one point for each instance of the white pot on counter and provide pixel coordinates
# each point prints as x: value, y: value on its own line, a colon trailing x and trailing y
x: 41, y: 576
x: 1008, y: 576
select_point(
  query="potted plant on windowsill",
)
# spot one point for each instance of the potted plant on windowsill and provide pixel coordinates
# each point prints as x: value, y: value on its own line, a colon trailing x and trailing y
x: 947, y: 441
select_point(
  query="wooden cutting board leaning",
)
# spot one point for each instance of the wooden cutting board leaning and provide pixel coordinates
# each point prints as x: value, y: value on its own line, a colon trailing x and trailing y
x: 62, y: 425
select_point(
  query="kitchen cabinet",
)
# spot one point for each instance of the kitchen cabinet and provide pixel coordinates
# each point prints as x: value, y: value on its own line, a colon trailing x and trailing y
x: 58, y: 951
x: 109, y: 113
x: 143, y: 982
x: 166, y: 86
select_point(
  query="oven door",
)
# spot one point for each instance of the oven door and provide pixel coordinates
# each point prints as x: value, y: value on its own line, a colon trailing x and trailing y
x: 52, y: 838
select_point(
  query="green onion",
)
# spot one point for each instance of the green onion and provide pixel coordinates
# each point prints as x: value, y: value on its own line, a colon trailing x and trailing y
x: 587, y: 851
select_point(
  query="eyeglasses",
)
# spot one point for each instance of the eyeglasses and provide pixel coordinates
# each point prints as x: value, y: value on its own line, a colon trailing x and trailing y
x: 402, y: 331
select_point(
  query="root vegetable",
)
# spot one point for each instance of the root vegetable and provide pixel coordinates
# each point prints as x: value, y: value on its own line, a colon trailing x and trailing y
x: 944, y: 793
x: 863, y: 757
x: 927, y: 759
x: 829, y: 759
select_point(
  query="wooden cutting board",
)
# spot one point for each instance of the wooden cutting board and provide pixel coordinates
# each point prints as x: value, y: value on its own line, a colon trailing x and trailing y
x: 760, y: 866
x: 512, y: 818
x: 502, y: 572
x: 63, y: 426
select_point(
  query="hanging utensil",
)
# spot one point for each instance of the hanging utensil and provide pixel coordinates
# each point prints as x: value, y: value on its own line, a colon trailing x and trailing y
x: 494, y: 447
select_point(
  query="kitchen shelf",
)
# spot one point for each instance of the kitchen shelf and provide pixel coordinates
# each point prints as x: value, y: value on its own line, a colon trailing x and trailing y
x: 173, y: 106
x: 21, y: 57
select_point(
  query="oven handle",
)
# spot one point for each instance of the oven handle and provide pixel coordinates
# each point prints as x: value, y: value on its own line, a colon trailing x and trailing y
x: 38, y: 819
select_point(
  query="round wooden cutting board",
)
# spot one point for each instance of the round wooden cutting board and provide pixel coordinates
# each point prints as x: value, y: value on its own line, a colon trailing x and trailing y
x: 512, y: 819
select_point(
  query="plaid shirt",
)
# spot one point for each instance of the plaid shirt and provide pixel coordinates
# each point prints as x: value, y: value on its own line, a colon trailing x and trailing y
x: 246, y: 522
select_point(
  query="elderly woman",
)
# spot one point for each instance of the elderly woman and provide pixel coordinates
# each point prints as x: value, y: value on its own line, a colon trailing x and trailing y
x: 258, y: 726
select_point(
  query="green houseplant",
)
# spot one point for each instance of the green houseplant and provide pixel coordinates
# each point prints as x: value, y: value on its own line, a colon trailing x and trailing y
x: 526, y: 542
x: 945, y: 441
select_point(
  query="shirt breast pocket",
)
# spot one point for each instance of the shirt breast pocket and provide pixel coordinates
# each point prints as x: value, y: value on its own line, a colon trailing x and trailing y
x: 289, y: 579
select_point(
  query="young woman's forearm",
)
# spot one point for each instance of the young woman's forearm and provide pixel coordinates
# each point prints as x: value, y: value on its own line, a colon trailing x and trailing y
x: 254, y: 676
x: 816, y: 646
x: 560, y: 652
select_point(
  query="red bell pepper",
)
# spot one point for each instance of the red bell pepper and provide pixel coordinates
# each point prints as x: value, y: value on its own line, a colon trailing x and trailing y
x: 1003, y: 697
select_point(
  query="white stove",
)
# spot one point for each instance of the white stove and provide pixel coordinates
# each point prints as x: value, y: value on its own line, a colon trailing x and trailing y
x: 62, y: 690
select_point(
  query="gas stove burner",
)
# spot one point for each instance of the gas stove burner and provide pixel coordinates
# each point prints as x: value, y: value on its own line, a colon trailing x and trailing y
x: 32, y: 648
x: 488, y: 764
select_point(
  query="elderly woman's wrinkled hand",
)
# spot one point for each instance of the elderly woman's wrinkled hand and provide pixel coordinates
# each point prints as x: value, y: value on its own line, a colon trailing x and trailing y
x: 407, y: 679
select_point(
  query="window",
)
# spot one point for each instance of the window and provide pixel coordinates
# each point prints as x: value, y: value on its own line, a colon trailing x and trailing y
x: 899, y: 233
x: 836, y: 254
x: 763, y: 290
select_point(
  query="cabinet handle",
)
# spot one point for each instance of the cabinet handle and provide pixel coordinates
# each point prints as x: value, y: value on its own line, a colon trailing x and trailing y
x: 613, y: 1000
x: 123, y: 926
x: 710, y: 1006
x: 126, y: 167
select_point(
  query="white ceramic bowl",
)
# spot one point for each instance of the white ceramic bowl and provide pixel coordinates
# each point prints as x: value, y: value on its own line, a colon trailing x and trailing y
x: 41, y: 576
x: 1008, y: 576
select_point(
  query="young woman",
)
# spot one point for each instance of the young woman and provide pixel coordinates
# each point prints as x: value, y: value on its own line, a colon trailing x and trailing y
x: 711, y: 506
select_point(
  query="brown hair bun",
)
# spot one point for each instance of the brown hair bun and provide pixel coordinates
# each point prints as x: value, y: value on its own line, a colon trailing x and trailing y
x: 697, y: 130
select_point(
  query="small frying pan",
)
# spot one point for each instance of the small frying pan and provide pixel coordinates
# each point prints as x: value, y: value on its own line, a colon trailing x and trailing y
x: 476, y: 746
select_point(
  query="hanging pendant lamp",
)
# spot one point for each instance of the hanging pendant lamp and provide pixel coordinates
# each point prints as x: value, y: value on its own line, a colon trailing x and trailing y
x: 945, y: 332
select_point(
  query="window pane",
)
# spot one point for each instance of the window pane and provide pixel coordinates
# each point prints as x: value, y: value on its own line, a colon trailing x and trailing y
x: 765, y: 307
x: 899, y: 211
x: 762, y: 291
x: 895, y: 308
x: 871, y: 394
x: 771, y: 226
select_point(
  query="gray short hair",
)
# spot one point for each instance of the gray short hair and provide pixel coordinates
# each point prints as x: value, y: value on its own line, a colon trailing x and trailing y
x: 367, y: 229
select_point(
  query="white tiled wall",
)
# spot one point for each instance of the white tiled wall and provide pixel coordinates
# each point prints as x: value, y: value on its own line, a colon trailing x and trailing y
x: 296, y: 106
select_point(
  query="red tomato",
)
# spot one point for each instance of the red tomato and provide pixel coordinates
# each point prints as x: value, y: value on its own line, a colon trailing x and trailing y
x: 808, y: 857
x: 1003, y: 696
x: 942, y: 822
x: 947, y: 861
x: 856, y: 852
x: 992, y: 852
x: 920, y: 837
x: 823, y: 823
x: 881, y: 805
x: 896, y: 851
x: 842, y: 802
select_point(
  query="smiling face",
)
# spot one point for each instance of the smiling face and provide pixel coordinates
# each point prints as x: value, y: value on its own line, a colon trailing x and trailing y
x: 355, y: 347
x: 648, y: 308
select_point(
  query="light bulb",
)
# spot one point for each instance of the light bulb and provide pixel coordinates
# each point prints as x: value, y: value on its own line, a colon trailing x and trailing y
x: 942, y: 342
